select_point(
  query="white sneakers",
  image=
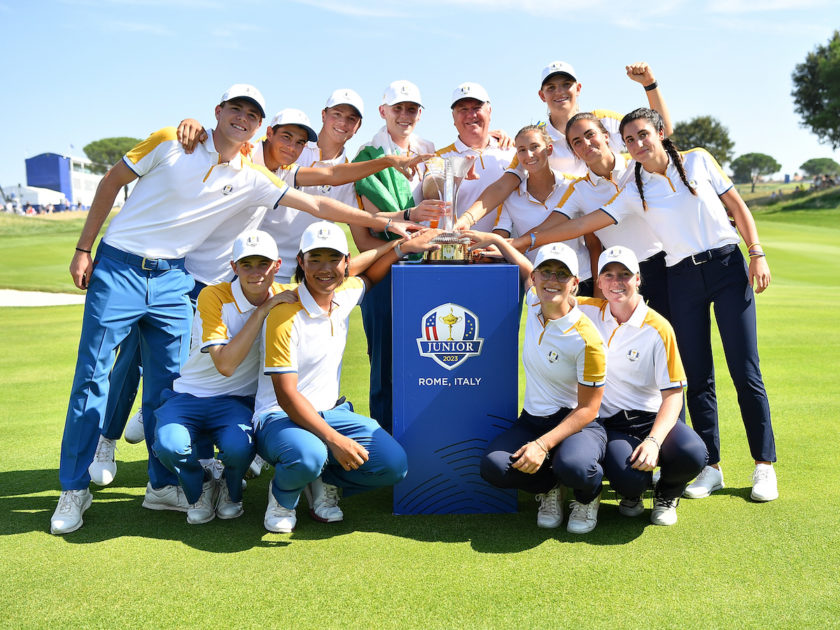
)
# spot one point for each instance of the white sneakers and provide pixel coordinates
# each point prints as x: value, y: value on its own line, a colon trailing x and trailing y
x: 277, y: 518
x: 68, y: 513
x: 225, y: 507
x: 133, y: 433
x: 584, y: 516
x: 103, y: 468
x: 664, y: 511
x: 203, y: 510
x: 323, y: 501
x: 256, y: 467
x: 764, y: 483
x: 709, y: 480
x: 550, y: 512
x: 166, y: 498
x: 631, y: 507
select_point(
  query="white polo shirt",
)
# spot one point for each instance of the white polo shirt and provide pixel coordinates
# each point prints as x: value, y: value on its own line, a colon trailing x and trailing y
x: 180, y: 199
x: 591, y: 192
x: 345, y: 193
x: 686, y: 224
x: 302, y: 338
x: 558, y: 354
x: 222, y: 312
x: 490, y: 165
x: 521, y: 212
x: 643, y: 357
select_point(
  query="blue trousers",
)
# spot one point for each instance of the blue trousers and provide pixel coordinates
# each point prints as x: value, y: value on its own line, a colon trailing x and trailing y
x: 123, y: 294
x: 125, y: 379
x: 575, y: 462
x: 299, y: 456
x: 681, y: 458
x: 123, y: 384
x: 376, y: 320
x: 722, y: 282
x: 184, y: 419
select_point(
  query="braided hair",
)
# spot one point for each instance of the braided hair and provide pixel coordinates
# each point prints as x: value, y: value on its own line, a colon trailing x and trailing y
x: 655, y: 119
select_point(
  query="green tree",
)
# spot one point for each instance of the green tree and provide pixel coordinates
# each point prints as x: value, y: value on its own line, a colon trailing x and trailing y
x: 820, y: 166
x: 107, y: 152
x: 750, y: 166
x: 816, y: 91
x: 706, y: 132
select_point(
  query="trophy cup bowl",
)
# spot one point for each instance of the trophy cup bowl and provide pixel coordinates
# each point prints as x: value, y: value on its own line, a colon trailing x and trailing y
x: 442, y: 180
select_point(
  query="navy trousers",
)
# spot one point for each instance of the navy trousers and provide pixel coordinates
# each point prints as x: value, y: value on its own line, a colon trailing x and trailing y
x: 575, y: 462
x: 719, y: 278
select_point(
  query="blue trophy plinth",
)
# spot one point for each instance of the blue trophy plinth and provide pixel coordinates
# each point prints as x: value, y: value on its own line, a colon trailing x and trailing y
x: 455, y: 337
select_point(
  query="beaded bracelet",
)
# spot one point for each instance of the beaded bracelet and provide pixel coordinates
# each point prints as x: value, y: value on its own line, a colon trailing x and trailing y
x: 650, y: 438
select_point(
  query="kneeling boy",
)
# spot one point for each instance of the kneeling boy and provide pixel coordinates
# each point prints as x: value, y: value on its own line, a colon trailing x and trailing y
x: 214, y: 396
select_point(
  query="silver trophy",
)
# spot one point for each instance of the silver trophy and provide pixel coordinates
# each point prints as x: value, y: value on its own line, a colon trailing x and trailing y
x: 442, y: 180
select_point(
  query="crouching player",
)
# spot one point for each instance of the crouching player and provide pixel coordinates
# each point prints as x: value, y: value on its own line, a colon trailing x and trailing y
x: 214, y: 395
x: 302, y: 428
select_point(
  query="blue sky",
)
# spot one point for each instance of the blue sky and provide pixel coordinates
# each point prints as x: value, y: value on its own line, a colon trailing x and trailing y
x: 80, y: 70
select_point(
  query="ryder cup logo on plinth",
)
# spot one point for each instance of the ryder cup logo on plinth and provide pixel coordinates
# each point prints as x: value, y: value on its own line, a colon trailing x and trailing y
x: 449, y: 335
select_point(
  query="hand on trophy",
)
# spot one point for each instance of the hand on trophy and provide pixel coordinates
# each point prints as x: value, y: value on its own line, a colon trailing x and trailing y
x: 421, y: 241
x: 484, y: 244
x: 429, y: 210
x: 407, y: 164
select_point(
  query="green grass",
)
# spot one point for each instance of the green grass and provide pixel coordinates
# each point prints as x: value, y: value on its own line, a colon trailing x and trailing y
x: 728, y: 563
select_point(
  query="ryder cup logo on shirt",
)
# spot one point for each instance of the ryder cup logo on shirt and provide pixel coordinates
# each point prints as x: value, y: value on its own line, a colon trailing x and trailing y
x: 449, y: 335
x: 227, y: 190
x: 632, y: 355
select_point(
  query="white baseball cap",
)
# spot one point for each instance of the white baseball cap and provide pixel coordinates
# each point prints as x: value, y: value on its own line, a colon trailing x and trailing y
x: 560, y: 252
x: 249, y: 92
x: 401, y: 92
x: 324, y: 234
x: 291, y: 116
x: 255, y: 243
x: 557, y: 67
x: 346, y: 96
x: 618, y: 254
x: 470, y: 90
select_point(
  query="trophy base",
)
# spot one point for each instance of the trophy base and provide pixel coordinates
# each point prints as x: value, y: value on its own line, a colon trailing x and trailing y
x: 454, y: 250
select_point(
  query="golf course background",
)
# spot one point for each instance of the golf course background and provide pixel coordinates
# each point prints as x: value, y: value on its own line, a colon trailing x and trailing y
x: 727, y: 563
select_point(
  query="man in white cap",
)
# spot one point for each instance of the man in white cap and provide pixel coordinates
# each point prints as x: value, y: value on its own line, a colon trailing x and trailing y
x: 471, y: 114
x: 213, y: 398
x: 140, y: 279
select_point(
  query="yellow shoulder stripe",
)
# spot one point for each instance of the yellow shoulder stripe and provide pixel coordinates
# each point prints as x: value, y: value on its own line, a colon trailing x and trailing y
x: 595, y: 357
x: 278, y: 335
x: 666, y: 332
x: 141, y: 150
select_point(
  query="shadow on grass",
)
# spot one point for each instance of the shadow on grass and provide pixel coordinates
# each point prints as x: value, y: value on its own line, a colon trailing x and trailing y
x: 116, y: 511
